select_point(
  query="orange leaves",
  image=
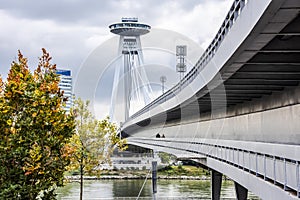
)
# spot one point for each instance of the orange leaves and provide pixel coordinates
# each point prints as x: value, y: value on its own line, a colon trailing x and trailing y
x: 18, y: 92
x: 27, y: 172
x: 19, y: 71
x: 33, y: 163
x: 22, y: 59
x: 45, y: 61
x: 68, y: 150
x: 1, y: 86
x: 8, y: 94
x: 73, y: 150
x: 54, y: 87
x: 46, y: 72
x: 18, y: 77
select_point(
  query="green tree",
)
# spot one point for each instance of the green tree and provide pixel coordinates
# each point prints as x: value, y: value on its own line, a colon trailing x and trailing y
x: 166, y: 158
x: 94, y: 142
x: 34, y: 131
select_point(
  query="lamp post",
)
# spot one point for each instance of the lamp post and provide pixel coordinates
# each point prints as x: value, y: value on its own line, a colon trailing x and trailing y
x: 163, y: 79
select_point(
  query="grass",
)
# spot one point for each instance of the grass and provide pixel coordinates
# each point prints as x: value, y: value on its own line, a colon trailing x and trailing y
x: 184, y: 170
x: 181, y: 170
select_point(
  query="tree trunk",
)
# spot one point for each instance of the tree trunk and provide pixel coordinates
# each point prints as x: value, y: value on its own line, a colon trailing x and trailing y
x: 81, y: 180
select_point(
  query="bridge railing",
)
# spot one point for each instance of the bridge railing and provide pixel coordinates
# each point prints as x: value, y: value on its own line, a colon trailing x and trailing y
x: 208, y: 54
x: 278, y: 169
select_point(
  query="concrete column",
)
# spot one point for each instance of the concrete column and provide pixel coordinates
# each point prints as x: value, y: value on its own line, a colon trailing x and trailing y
x: 216, y: 182
x: 241, y: 191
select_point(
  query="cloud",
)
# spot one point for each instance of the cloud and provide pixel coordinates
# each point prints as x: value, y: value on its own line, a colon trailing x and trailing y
x: 68, y: 45
x: 200, y: 23
x: 72, y: 30
x: 62, y: 11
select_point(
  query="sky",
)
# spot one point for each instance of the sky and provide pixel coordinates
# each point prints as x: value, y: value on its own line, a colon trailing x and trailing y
x: 72, y: 30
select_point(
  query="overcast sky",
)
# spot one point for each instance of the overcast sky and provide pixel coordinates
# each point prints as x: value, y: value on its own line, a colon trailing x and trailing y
x: 71, y: 29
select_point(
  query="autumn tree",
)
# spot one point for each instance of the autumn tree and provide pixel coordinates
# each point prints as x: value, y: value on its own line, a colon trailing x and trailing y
x: 94, y: 142
x: 34, y: 130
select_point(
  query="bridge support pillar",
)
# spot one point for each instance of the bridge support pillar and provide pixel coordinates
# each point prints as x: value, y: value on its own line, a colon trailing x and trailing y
x: 241, y: 191
x: 216, y: 182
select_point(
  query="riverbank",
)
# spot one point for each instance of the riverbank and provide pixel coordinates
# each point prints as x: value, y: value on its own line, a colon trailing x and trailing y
x: 130, y: 177
x: 169, y: 172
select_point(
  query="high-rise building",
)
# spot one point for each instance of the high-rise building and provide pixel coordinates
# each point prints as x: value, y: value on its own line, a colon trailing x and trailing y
x: 65, y: 85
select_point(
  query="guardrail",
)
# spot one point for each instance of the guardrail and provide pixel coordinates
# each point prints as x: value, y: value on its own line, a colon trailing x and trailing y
x: 208, y: 54
x: 276, y: 169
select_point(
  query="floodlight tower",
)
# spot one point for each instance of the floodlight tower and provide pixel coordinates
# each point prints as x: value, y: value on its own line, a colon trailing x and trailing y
x: 181, y: 63
x: 130, y: 30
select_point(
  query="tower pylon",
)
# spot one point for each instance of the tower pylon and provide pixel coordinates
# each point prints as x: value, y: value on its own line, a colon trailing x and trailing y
x: 130, y: 70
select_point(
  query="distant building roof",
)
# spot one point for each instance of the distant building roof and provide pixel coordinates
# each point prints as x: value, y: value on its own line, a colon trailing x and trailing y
x: 63, y: 72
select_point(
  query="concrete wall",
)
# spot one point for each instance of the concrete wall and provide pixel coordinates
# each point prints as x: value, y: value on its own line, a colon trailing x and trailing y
x: 279, y: 125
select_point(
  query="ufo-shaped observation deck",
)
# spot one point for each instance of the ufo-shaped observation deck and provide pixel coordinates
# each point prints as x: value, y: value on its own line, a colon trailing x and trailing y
x: 129, y: 27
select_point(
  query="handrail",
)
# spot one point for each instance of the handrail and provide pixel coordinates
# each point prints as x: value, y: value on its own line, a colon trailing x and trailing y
x: 208, y: 54
x: 276, y: 169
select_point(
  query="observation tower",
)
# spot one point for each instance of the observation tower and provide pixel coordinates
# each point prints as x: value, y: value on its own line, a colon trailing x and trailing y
x: 130, y: 76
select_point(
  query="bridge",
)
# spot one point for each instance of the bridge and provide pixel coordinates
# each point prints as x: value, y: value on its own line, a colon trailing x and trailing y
x: 237, y: 111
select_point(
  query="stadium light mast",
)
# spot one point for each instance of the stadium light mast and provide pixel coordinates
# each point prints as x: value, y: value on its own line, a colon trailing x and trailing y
x: 181, y: 53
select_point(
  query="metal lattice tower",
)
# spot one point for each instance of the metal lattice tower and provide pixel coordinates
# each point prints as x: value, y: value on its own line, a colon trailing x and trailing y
x: 130, y: 71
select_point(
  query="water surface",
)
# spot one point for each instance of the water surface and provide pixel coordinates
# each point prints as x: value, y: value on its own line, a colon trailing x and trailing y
x: 129, y: 189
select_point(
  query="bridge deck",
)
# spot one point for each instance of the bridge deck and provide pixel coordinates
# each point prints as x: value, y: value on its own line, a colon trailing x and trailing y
x: 239, y: 106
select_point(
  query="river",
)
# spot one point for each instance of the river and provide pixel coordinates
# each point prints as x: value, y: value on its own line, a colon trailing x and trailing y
x: 129, y: 189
